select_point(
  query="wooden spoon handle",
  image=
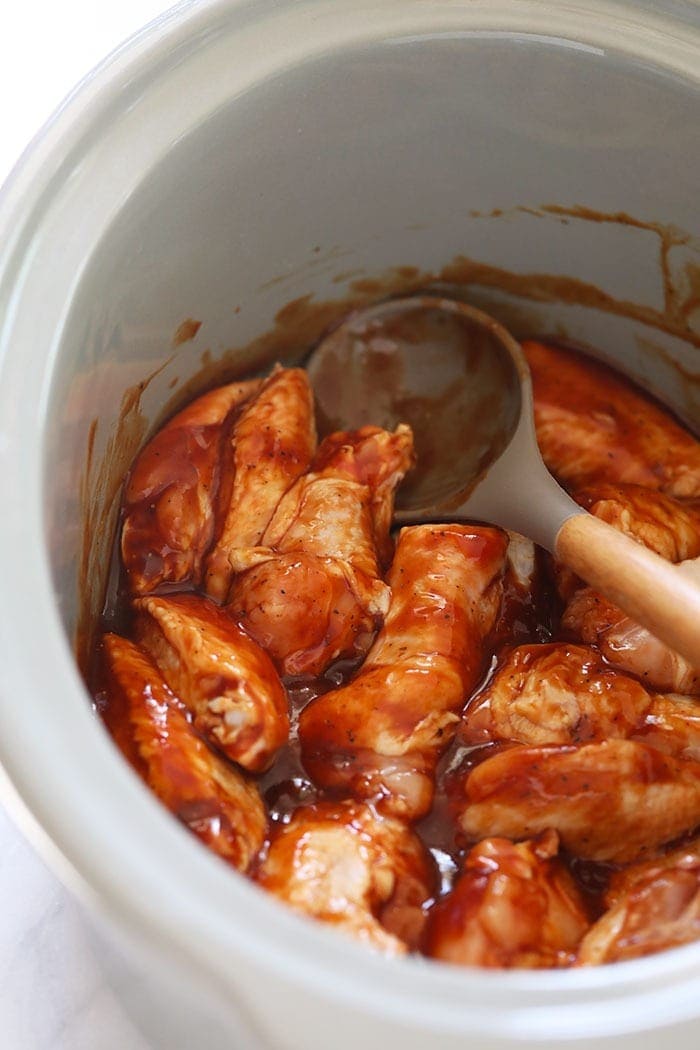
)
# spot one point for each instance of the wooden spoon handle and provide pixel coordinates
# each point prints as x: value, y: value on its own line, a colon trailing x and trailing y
x: 662, y: 597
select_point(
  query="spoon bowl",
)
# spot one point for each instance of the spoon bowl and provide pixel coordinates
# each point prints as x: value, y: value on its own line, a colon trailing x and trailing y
x: 441, y: 366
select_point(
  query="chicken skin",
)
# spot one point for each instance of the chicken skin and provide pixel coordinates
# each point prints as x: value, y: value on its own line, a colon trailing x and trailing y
x: 567, y: 694
x: 663, y: 524
x: 652, y: 906
x: 626, y: 645
x: 212, y: 798
x: 343, y: 864
x: 224, y: 678
x: 672, y: 725
x: 611, y: 801
x: 594, y: 426
x: 556, y: 694
x: 313, y: 593
x: 374, y: 457
x: 380, y: 736
x: 514, y: 905
x: 170, y: 498
x: 271, y: 444
x: 670, y: 529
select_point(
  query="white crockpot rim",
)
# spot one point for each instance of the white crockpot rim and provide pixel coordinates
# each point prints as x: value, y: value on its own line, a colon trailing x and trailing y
x: 82, y: 821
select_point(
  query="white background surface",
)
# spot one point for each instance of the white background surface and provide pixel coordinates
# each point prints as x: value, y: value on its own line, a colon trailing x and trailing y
x: 55, y: 993
x: 46, y: 47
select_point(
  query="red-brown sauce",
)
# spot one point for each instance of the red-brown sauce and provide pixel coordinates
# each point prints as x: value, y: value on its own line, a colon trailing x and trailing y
x: 529, y: 615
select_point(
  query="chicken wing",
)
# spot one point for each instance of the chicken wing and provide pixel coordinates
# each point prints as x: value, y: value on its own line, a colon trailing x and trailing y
x: 380, y: 736
x: 223, y: 677
x: 652, y: 906
x: 271, y: 445
x: 514, y: 905
x: 345, y: 865
x: 665, y: 525
x: 657, y: 521
x: 213, y: 799
x: 313, y: 593
x: 374, y: 457
x: 556, y: 694
x: 609, y: 801
x: 594, y: 425
x: 672, y: 725
x: 670, y: 529
x: 626, y: 645
x: 567, y: 694
x: 169, y: 505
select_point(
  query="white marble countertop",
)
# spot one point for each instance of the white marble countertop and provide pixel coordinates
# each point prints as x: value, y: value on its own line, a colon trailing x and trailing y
x: 57, y: 991
x: 55, y: 988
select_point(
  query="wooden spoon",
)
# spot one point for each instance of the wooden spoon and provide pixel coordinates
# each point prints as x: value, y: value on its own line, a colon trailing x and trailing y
x: 462, y: 382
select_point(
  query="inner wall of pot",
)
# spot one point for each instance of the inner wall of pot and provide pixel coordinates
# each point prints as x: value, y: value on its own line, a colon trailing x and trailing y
x: 550, y: 182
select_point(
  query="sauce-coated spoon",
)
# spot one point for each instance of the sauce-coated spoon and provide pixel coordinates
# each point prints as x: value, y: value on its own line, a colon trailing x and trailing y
x: 462, y: 382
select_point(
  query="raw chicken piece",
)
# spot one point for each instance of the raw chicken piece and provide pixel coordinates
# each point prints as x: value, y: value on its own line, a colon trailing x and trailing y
x: 659, y: 522
x: 514, y: 905
x: 169, y: 506
x: 594, y: 425
x: 306, y: 613
x: 313, y: 593
x: 374, y: 457
x: 271, y: 445
x: 623, y: 881
x: 223, y: 677
x: 672, y: 725
x: 669, y: 528
x: 609, y: 801
x: 380, y: 736
x: 529, y: 608
x: 344, y: 864
x: 665, y: 526
x: 567, y: 694
x: 213, y: 799
x: 556, y: 694
x: 652, y: 906
x: 521, y: 559
x: 626, y: 645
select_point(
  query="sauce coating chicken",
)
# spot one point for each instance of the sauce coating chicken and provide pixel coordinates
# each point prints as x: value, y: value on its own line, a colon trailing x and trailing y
x: 271, y: 445
x: 669, y: 528
x: 380, y: 736
x: 213, y: 799
x: 609, y: 801
x: 652, y: 906
x: 346, y: 865
x: 594, y: 426
x: 376, y: 458
x: 170, y: 497
x: 625, y: 644
x: 514, y: 905
x: 579, y: 728
x: 567, y: 694
x: 663, y: 524
x: 221, y: 675
x: 555, y: 694
x: 313, y: 593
